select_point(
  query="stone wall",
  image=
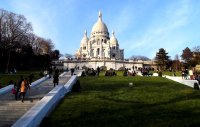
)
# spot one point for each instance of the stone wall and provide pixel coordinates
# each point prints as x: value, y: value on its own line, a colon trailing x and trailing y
x: 114, y: 64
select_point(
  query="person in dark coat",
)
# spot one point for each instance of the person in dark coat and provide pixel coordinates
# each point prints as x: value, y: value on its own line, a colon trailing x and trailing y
x: 98, y: 70
x: 55, y: 78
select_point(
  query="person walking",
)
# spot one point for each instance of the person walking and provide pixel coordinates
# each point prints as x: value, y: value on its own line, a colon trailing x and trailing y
x: 98, y: 70
x: 55, y: 78
x: 24, y: 87
x: 72, y: 71
x: 18, y: 85
x: 191, y: 74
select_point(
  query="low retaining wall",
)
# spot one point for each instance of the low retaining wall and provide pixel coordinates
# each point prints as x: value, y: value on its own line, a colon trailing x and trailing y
x: 9, y: 87
x: 34, y: 116
x: 187, y: 82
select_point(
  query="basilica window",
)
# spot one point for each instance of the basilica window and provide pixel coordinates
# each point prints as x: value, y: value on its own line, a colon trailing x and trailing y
x: 84, y: 48
x: 113, y: 55
x: 84, y: 55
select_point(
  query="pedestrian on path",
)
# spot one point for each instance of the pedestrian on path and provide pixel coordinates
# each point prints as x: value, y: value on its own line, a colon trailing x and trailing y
x: 72, y: 71
x: 183, y: 74
x: 19, y: 82
x: 24, y: 87
x: 191, y: 74
x: 55, y: 78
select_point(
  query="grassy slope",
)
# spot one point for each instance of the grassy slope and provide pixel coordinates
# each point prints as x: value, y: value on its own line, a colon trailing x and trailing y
x: 5, y: 78
x: 110, y: 101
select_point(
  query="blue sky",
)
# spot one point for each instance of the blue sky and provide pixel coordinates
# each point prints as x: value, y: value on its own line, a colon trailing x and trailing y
x: 141, y: 26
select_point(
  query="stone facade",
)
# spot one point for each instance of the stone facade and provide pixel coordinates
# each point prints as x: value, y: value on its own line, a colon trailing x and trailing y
x: 100, y: 45
x: 101, y: 50
x: 114, y: 64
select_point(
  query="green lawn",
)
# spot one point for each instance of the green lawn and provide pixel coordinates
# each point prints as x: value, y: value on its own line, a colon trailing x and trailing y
x: 177, y: 73
x: 5, y: 78
x: 111, y: 102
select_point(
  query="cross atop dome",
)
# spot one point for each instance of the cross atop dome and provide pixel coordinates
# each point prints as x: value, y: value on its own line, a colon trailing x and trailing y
x: 85, y: 33
x: 113, y: 33
x: 100, y: 15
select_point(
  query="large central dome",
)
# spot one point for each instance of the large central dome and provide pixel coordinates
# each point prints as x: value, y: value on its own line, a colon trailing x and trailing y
x: 99, y: 27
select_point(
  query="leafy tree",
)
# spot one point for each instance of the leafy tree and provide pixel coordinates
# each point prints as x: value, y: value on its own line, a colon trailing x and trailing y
x: 55, y: 54
x: 162, y: 59
x: 187, y: 55
x: 196, y: 56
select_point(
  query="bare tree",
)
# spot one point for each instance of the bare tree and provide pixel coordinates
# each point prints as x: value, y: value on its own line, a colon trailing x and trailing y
x: 16, y: 37
x: 16, y: 29
x: 176, y: 64
x: 196, y: 54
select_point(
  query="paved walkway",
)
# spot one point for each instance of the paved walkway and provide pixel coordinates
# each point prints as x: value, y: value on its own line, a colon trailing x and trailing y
x: 186, y: 82
x: 11, y: 110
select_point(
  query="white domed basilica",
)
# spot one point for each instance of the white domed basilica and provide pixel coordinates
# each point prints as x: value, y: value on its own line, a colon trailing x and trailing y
x: 100, y: 45
x: 102, y: 50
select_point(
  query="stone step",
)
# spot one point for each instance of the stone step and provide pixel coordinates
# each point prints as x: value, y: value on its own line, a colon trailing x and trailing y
x: 6, y: 123
x: 22, y: 105
x: 18, y: 104
x: 11, y: 112
x: 10, y: 117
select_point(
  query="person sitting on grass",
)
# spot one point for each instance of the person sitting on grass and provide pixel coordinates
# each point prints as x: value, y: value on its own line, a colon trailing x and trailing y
x: 198, y: 78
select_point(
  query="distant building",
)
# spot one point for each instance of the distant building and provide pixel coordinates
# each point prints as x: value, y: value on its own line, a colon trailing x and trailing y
x: 101, y: 50
x: 100, y: 45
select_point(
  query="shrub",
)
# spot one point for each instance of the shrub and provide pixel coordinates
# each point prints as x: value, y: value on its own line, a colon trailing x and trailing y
x: 103, y: 68
x: 76, y: 87
x: 160, y: 73
x: 121, y: 69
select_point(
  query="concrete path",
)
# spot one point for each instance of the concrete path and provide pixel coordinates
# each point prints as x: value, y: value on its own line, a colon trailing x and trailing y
x: 11, y: 110
x: 186, y: 82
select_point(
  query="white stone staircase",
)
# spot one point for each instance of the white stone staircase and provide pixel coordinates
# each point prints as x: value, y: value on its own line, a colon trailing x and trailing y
x: 11, y: 110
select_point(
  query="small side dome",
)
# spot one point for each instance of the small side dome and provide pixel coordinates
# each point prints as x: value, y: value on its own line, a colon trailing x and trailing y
x: 84, y: 39
x: 113, y: 39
